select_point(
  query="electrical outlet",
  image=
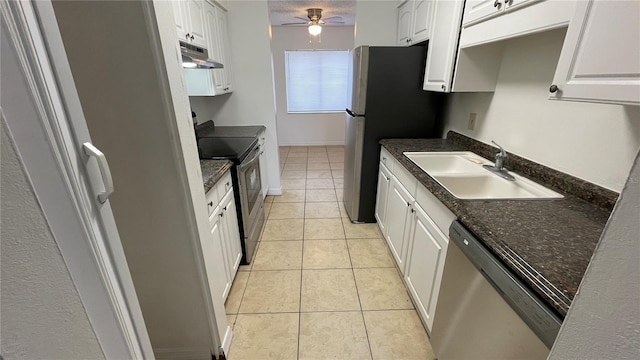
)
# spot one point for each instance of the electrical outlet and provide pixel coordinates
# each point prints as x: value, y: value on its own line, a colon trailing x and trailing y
x: 472, y: 121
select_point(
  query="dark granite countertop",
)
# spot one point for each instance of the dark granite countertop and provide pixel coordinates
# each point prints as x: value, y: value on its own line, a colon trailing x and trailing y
x: 548, y: 243
x: 212, y: 171
x: 207, y: 129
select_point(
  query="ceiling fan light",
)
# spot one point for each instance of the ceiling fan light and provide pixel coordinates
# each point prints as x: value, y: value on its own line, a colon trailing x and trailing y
x: 315, y: 30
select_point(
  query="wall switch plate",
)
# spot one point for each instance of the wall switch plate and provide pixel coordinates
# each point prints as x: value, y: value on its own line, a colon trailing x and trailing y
x: 472, y: 121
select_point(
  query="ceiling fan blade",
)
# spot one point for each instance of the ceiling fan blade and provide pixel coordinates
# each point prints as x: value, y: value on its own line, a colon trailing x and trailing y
x: 332, y: 17
x: 335, y: 22
x: 298, y: 23
x: 301, y: 18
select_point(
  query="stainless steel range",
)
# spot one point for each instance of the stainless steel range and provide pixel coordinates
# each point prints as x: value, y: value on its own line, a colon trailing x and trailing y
x: 247, y: 188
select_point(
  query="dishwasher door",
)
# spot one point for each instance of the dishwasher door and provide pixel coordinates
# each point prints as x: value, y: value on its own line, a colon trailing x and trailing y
x: 474, y: 321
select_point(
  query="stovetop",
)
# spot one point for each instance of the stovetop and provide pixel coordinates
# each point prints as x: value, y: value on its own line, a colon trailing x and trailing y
x: 232, y: 148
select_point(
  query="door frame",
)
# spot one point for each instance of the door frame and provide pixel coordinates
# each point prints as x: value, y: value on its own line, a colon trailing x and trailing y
x: 47, y: 148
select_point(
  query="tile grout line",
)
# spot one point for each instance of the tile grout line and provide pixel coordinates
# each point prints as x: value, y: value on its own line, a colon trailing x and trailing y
x: 304, y: 209
x: 366, y: 332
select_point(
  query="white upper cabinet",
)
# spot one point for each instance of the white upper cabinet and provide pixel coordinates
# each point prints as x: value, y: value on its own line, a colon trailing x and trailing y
x: 414, y: 22
x: 489, y: 21
x: 443, y: 44
x: 181, y: 19
x: 421, y: 20
x: 600, y: 58
x: 212, y: 82
x: 195, y: 10
x: 189, y: 18
x: 404, y: 23
x: 224, y: 76
x: 475, y: 10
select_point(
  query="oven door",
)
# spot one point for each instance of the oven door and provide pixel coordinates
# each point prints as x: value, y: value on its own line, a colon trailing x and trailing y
x: 250, y: 189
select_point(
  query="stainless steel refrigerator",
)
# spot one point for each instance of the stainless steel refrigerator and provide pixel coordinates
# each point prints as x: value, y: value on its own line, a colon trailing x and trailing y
x: 387, y: 101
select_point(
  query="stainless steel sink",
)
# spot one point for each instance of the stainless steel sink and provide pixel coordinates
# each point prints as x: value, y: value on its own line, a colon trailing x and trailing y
x: 462, y: 174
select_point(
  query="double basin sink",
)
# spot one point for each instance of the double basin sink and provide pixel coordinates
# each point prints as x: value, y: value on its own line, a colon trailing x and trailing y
x: 463, y: 175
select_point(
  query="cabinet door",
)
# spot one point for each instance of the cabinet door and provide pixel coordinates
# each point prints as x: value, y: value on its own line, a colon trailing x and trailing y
x: 475, y: 10
x: 398, y: 206
x: 600, y: 57
x: 404, y: 23
x: 421, y: 22
x: 225, y: 52
x: 211, y: 26
x: 181, y: 19
x: 231, y: 233
x: 384, y: 178
x: 213, y: 250
x: 425, y: 262
x: 195, y: 11
x: 443, y: 45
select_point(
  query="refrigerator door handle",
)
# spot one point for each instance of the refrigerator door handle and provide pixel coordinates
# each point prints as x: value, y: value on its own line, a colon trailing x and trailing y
x: 352, y: 114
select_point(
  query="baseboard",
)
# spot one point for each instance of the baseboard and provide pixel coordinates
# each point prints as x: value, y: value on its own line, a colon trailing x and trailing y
x: 226, y: 342
x: 183, y: 353
x: 275, y: 191
x: 312, y: 143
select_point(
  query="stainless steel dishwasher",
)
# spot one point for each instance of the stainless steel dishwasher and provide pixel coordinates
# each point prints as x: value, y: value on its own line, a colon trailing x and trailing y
x: 484, y: 310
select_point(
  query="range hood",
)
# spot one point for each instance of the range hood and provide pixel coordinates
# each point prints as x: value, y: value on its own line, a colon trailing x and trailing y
x: 196, y: 57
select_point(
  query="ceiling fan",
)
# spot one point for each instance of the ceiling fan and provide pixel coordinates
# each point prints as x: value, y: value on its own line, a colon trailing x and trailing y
x: 314, y: 15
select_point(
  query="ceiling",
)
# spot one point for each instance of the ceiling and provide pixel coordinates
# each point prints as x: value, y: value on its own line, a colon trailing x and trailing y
x: 285, y: 11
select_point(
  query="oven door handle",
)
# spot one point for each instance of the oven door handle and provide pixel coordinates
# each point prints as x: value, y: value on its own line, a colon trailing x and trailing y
x: 255, y: 158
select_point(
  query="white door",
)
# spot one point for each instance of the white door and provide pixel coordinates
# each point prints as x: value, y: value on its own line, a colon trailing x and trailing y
x: 600, y: 57
x: 70, y: 177
x: 225, y: 51
x: 443, y: 45
x: 404, y: 23
x: 384, y: 179
x: 232, y: 233
x: 425, y: 262
x: 217, y: 260
x: 213, y: 38
x: 398, y: 207
x: 421, y: 27
x: 197, y: 28
x: 180, y: 17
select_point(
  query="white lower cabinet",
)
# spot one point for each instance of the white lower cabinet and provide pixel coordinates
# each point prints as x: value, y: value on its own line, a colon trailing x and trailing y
x: 222, y: 251
x: 384, y: 181
x: 399, y: 203
x: 415, y: 225
x: 425, y: 261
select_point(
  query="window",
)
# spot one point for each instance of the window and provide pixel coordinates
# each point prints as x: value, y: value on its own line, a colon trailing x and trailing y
x: 316, y: 80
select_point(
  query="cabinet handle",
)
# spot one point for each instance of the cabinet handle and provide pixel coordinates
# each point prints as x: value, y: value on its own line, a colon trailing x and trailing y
x: 413, y: 210
x: 221, y: 214
x: 210, y: 203
x: 507, y: 2
x: 408, y: 204
x: 444, y: 86
x: 553, y: 88
x: 192, y: 37
x: 497, y: 4
x: 224, y: 208
x: 187, y: 36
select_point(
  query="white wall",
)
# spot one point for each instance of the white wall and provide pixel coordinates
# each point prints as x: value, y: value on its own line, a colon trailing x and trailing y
x: 376, y: 22
x: 594, y: 142
x: 604, y: 319
x: 42, y: 314
x: 306, y: 129
x: 252, y: 101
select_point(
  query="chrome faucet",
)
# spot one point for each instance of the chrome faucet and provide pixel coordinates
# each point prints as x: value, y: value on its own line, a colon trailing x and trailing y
x: 498, y: 168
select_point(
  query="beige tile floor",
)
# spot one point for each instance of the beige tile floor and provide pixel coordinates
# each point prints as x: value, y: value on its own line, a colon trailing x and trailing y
x: 320, y: 287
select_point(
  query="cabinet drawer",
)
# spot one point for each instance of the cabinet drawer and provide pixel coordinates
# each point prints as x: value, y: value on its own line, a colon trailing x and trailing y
x: 387, y: 159
x: 405, y: 178
x: 223, y: 185
x: 437, y: 211
x: 212, y: 199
